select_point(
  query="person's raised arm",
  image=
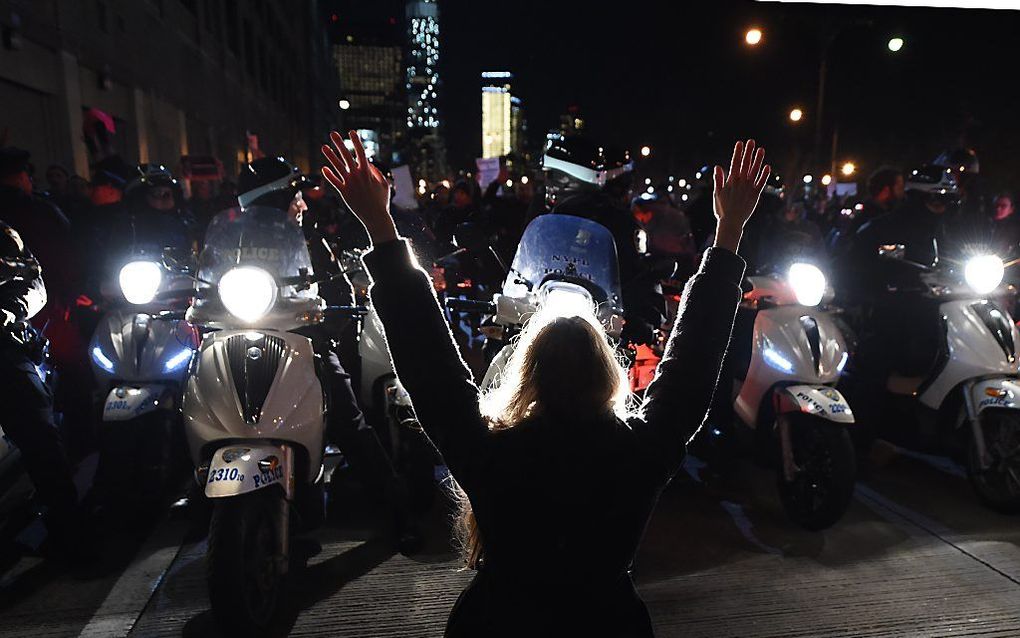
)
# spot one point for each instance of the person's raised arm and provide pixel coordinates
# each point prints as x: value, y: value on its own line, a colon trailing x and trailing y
x: 423, y: 351
x: 678, y: 399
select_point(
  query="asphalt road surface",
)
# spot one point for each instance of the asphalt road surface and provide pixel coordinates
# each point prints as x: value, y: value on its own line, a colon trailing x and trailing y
x: 914, y: 556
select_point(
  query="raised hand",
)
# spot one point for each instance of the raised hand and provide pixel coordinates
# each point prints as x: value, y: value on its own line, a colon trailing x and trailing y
x: 736, y: 195
x: 363, y: 188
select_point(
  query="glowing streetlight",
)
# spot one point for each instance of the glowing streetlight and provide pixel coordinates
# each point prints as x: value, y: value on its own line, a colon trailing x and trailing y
x: 753, y: 36
x: 524, y: 179
x: 509, y: 183
x: 796, y: 115
x: 848, y: 169
x: 344, y: 105
x: 646, y: 151
x: 895, y: 44
x: 808, y: 178
x: 826, y: 179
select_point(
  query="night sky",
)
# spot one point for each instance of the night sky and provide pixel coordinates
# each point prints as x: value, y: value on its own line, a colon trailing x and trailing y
x: 683, y: 81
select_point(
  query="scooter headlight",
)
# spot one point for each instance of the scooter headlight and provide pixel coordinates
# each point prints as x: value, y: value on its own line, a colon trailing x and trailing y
x: 247, y: 292
x: 567, y: 300
x: 139, y: 281
x: 808, y: 283
x: 983, y: 273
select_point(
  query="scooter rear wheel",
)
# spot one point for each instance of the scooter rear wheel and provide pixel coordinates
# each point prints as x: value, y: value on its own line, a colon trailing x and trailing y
x: 823, y: 485
x: 246, y: 582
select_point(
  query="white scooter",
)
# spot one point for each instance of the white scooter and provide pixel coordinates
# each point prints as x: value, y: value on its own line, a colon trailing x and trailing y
x: 387, y: 403
x: 140, y: 353
x: 968, y: 402
x: 787, y: 355
x: 254, y: 408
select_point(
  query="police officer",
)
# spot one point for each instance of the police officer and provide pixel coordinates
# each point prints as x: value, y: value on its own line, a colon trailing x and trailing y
x: 27, y: 404
x: 277, y: 183
x: 587, y: 180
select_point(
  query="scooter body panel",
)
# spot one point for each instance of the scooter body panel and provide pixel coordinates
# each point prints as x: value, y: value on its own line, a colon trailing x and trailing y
x: 375, y: 357
x: 126, y: 402
x: 1002, y: 393
x: 279, y: 398
x: 248, y: 466
x: 134, y: 348
x: 786, y: 352
x: 817, y: 400
x: 974, y: 351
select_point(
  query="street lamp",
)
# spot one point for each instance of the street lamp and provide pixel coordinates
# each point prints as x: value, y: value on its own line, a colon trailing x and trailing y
x: 808, y: 179
x: 646, y: 151
x: 826, y: 179
x: 345, y: 104
x: 848, y: 168
x: 895, y: 44
x: 753, y: 36
x: 796, y: 115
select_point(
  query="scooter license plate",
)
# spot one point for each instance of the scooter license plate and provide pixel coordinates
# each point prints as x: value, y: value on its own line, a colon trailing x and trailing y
x: 123, y: 404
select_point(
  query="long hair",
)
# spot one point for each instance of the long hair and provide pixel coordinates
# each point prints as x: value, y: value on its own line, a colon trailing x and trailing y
x: 561, y: 367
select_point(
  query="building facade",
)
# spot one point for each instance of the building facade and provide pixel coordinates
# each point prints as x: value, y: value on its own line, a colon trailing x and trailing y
x: 369, y: 60
x: 179, y: 77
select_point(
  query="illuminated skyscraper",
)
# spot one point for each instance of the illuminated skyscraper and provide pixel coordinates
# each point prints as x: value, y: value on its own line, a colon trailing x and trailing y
x: 423, y: 58
x: 496, y: 113
x: 422, y: 83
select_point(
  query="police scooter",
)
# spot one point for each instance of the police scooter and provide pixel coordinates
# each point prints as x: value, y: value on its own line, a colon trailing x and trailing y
x: 787, y: 355
x: 254, y: 409
x: 967, y: 402
x: 140, y: 354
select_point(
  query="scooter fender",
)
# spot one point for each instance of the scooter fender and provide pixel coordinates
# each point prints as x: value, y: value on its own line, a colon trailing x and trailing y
x: 129, y: 402
x: 996, y: 393
x: 817, y: 400
x: 244, y: 467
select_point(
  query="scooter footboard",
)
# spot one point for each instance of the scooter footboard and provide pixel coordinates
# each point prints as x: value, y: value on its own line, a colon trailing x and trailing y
x: 817, y: 400
x: 242, y: 468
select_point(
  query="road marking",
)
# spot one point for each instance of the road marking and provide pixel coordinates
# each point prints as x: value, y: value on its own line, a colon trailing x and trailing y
x: 877, y: 502
x: 131, y: 593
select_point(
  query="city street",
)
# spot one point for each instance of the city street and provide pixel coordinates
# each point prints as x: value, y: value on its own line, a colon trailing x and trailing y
x: 914, y: 556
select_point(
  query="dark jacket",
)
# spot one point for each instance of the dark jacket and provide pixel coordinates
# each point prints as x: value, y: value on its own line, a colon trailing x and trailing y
x: 22, y: 292
x: 561, y: 506
x: 46, y: 230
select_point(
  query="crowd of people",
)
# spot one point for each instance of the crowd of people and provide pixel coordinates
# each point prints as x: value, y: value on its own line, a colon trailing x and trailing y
x: 77, y: 230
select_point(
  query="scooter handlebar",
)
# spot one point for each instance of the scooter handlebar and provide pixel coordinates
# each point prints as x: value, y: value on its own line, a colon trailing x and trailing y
x: 471, y: 306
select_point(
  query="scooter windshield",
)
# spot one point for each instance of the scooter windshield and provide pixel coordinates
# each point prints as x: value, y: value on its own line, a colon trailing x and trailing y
x: 259, y: 236
x: 263, y: 238
x: 567, y: 248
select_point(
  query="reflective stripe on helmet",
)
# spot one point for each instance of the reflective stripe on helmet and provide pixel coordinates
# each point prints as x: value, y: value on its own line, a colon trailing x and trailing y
x: 585, y: 174
x: 245, y: 199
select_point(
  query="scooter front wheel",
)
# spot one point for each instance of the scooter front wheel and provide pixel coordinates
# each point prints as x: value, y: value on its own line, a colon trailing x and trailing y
x: 245, y: 574
x: 823, y: 481
x: 998, y: 483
